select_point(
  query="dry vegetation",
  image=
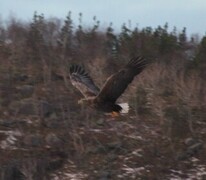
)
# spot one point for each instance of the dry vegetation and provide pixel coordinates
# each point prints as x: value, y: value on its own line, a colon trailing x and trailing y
x: 45, y: 134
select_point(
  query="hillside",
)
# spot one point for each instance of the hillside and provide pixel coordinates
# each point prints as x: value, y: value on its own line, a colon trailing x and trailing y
x: 45, y: 134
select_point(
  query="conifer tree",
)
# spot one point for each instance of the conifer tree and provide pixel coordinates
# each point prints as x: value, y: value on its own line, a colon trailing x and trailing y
x: 66, y: 36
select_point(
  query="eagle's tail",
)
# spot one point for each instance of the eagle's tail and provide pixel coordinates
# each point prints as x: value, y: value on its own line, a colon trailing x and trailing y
x: 125, y: 108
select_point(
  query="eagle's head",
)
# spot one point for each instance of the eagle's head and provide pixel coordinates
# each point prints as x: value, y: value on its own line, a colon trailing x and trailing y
x: 86, y: 101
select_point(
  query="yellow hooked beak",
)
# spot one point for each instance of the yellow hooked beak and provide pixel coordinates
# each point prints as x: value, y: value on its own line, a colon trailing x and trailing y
x: 80, y: 101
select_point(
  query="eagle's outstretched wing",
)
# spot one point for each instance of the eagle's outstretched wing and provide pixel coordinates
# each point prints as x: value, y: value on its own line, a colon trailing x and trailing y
x: 82, y: 81
x: 118, y: 82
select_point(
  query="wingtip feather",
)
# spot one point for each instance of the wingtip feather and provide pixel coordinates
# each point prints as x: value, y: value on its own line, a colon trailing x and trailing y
x: 138, y: 61
x: 77, y: 69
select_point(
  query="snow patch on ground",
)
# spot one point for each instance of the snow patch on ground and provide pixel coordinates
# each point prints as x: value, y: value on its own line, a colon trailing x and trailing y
x: 69, y: 172
x: 196, y: 173
x: 10, y: 140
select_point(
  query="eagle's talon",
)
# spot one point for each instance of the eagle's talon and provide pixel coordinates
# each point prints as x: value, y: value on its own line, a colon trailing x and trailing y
x: 114, y: 114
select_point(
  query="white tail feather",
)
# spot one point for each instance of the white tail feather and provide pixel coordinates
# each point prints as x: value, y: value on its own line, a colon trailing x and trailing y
x: 125, y: 108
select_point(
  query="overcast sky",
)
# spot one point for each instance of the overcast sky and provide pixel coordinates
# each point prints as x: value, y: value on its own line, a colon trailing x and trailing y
x: 180, y: 13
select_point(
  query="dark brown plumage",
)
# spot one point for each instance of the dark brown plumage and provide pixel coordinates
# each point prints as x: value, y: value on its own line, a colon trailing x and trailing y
x: 105, y: 99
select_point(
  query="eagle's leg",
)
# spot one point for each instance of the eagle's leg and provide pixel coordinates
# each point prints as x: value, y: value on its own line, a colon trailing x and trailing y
x: 114, y: 114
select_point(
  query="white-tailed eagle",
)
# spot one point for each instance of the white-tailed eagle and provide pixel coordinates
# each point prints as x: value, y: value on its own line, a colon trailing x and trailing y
x: 104, y: 99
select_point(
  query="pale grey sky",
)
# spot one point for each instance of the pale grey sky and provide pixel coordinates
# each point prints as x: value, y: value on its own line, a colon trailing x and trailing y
x: 180, y: 13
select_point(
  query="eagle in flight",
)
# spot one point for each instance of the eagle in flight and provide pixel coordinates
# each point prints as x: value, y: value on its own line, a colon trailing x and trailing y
x: 104, y: 99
